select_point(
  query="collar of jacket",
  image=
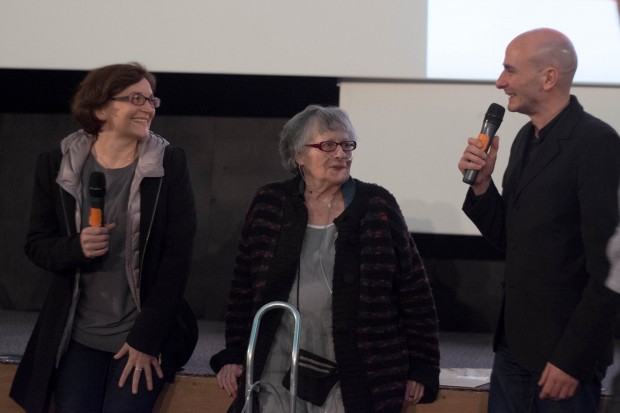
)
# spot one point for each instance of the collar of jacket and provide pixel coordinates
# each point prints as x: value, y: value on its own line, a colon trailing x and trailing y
x: 76, y: 147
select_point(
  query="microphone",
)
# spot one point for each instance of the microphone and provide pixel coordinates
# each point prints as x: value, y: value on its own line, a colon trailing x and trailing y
x: 96, y: 190
x: 492, y: 120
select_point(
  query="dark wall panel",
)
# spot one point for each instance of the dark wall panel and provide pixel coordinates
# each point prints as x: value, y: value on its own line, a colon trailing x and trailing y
x: 188, y: 94
x: 228, y: 126
x: 22, y: 137
x: 228, y: 157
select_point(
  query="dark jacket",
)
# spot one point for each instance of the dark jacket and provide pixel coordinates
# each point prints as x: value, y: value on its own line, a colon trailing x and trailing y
x: 553, y: 220
x: 384, y: 318
x: 166, y: 230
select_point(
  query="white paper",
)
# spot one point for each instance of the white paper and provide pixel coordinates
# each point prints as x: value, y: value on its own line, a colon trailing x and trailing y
x: 464, y: 377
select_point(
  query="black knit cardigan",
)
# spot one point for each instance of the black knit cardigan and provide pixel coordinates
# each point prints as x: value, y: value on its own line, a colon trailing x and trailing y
x: 384, y: 317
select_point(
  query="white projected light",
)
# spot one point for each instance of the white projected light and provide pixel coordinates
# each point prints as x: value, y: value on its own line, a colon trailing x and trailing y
x: 467, y: 39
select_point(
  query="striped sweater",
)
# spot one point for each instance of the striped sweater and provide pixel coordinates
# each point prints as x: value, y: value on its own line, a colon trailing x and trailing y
x: 384, y: 317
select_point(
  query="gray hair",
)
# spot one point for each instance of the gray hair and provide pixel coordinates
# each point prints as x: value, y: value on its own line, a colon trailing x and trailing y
x: 300, y: 129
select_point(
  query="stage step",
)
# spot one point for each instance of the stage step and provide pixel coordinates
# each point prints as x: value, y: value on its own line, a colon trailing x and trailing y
x: 201, y: 394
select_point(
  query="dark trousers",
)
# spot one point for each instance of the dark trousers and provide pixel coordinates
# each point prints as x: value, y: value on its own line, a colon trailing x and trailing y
x: 515, y: 390
x: 613, y: 405
x: 87, y: 382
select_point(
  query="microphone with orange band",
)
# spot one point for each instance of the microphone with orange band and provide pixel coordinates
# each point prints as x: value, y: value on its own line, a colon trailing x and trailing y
x: 96, y: 190
x: 492, y: 120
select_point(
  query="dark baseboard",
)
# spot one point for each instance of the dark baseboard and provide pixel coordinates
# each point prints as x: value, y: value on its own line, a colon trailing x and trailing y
x: 184, y: 94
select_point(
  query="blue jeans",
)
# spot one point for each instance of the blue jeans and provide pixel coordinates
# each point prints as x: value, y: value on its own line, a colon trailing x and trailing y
x: 515, y: 390
x: 87, y: 382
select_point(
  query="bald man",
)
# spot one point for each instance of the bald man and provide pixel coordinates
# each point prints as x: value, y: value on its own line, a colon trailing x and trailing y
x: 556, y: 212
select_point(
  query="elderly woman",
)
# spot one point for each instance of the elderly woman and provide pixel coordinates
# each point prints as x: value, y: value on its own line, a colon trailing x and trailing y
x: 113, y: 221
x: 339, y: 250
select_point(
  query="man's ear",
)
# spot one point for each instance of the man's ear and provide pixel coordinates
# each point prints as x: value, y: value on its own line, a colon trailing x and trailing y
x: 550, y: 78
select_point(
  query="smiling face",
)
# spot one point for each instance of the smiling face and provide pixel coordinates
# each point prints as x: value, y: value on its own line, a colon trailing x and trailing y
x: 123, y: 118
x: 539, y: 68
x: 326, y: 169
x: 521, y: 79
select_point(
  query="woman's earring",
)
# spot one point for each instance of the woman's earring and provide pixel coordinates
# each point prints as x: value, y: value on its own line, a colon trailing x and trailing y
x: 301, y: 171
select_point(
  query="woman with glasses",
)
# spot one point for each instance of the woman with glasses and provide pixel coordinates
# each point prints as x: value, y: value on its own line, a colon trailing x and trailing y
x: 337, y: 249
x: 113, y: 221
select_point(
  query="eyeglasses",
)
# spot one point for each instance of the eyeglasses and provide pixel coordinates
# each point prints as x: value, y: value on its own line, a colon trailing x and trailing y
x: 330, y: 146
x: 139, y: 100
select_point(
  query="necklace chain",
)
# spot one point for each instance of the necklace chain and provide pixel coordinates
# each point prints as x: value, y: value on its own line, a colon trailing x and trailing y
x: 104, y: 163
x: 329, y: 204
x: 324, y: 233
x: 319, y: 197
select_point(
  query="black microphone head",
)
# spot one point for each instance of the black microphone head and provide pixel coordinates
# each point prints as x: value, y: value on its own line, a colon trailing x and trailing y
x: 96, y: 185
x: 495, y: 113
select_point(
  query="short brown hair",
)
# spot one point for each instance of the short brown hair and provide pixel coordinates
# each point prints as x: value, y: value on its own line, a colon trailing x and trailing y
x: 99, y: 85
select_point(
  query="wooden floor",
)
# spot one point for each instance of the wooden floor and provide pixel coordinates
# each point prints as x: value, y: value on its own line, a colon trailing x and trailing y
x: 200, y: 394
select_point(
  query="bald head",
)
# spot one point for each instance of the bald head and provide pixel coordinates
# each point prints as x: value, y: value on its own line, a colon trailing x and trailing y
x: 549, y: 48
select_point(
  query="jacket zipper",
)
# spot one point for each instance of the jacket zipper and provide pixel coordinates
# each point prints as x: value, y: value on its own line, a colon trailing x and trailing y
x: 64, y: 340
x: 146, y: 241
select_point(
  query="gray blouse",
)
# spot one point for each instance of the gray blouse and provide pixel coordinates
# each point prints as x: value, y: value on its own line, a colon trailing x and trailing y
x: 311, y: 294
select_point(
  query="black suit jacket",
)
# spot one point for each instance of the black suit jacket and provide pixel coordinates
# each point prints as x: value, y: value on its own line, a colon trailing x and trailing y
x: 553, y: 220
